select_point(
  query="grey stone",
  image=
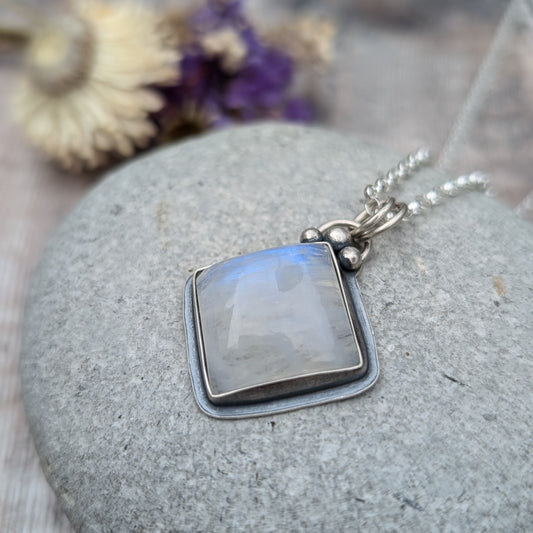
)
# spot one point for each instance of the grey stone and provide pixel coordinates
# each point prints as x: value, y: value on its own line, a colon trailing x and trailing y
x: 442, y: 441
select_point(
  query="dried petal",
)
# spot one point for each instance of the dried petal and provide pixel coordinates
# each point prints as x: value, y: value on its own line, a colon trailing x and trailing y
x: 101, y: 104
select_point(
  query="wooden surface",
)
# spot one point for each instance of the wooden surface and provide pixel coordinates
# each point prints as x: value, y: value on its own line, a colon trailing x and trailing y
x: 400, y: 83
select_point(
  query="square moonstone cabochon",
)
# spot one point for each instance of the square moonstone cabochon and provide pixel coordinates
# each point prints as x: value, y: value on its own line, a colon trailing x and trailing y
x: 276, y: 330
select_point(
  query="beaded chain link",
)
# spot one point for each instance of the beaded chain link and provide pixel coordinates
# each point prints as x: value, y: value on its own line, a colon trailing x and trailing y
x: 351, y: 239
x: 406, y: 168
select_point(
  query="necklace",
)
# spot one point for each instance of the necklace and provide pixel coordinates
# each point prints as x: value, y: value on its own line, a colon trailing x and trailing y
x: 285, y: 328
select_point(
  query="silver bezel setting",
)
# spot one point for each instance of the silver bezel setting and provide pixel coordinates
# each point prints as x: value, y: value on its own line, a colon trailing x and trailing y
x: 366, y: 369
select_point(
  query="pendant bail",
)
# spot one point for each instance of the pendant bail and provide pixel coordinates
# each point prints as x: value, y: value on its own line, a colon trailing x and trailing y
x: 377, y: 217
x: 351, y: 239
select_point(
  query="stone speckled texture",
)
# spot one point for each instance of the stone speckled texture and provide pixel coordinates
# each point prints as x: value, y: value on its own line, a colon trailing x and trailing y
x: 442, y: 442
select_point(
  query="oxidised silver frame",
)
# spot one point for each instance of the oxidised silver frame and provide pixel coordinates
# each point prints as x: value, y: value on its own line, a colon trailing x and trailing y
x: 364, y: 340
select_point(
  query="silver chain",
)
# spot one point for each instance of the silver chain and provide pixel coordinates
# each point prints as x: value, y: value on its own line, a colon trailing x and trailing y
x: 351, y: 239
x: 407, y: 167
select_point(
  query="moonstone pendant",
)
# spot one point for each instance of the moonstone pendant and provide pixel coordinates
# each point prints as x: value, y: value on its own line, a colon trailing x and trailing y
x: 285, y: 328
x: 276, y: 330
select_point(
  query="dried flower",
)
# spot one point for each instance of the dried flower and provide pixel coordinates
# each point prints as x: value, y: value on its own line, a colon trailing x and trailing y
x: 105, y: 79
x: 227, y: 46
x: 88, y: 91
x: 228, y: 74
x: 308, y: 40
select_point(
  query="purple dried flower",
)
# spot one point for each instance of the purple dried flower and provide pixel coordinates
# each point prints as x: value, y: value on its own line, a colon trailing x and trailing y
x: 228, y: 75
x: 262, y: 83
x: 297, y: 110
x: 216, y: 14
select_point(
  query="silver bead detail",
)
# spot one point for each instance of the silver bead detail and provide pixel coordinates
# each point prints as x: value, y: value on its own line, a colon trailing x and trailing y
x: 449, y: 188
x: 478, y: 179
x: 338, y: 237
x: 402, y: 171
x: 414, y: 207
x: 423, y: 156
x: 311, y: 235
x: 462, y: 182
x: 380, y: 186
x: 370, y: 192
x: 350, y: 258
x: 433, y: 197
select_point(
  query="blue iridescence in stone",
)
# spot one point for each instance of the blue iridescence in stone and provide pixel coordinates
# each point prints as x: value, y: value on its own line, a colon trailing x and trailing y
x: 273, y: 315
